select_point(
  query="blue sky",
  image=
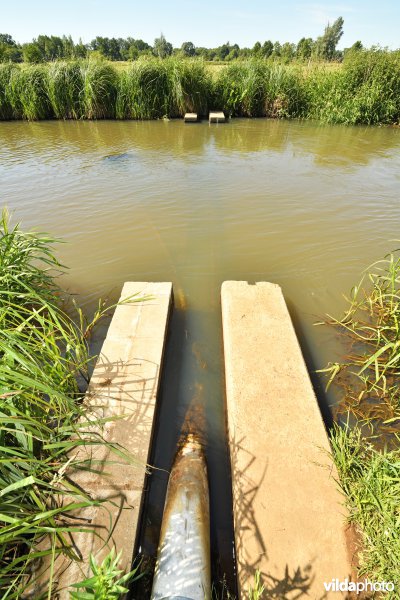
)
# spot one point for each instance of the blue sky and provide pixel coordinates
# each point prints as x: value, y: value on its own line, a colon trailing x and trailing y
x: 209, y: 22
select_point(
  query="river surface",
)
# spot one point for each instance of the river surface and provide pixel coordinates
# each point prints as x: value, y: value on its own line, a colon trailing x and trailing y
x: 300, y: 204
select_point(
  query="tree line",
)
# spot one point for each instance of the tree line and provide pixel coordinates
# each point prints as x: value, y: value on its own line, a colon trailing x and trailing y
x: 46, y: 48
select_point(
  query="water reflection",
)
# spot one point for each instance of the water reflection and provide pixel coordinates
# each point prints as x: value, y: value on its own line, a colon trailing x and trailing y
x: 327, y: 145
x: 300, y: 204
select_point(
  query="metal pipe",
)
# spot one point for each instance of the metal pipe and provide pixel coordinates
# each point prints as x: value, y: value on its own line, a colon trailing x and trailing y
x: 183, y: 569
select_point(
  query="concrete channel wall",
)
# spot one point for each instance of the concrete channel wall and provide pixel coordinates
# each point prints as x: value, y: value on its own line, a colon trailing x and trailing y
x: 124, y: 388
x: 288, y: 513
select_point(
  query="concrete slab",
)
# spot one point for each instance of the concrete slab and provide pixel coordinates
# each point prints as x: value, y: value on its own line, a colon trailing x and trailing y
x: 288, y: 513
x: 216, y: 117
x: 124, y: 384
x: 191, y: 118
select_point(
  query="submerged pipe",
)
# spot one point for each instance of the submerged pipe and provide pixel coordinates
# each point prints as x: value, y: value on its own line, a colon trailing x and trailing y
x: 183, y: 569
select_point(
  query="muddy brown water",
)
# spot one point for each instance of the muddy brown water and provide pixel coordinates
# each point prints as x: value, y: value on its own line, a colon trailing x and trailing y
x: 304, y: 205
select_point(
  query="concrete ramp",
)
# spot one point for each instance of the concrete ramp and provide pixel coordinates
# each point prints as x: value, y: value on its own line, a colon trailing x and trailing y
x: 123, y: 388
x: 288, y: 513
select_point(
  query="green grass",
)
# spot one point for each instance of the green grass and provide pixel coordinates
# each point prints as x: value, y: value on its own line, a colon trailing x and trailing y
x: 370, y: 480
x: 44, y: 371
x: 365, y: 89
x: 367, y: 454
x: 370, y: 327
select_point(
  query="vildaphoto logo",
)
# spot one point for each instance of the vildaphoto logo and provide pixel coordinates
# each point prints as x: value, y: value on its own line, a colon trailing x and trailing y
x: 359, y: 586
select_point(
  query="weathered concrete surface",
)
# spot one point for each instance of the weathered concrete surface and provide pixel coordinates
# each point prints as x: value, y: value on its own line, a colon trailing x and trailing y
x: 216, y: 117
x: 288, y: 512
x: 124, y: 384
x: 190, y: 118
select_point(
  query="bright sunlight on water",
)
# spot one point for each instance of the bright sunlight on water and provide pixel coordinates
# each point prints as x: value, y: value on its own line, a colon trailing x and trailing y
x: 300, y: 204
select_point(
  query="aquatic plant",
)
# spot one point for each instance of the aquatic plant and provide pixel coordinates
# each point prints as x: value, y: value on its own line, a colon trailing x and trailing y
x: 261, y: 89
x: 144, y: 91
x: 99, y: 90
x: 241, y: 88
x: 365, y: 89
x: 64, y: 89
x: 6, y: 108
x: 191, y: 86
x: 285, y: 96
x: 44, y: 370
x: 27, y: 95
x: 369, y: 372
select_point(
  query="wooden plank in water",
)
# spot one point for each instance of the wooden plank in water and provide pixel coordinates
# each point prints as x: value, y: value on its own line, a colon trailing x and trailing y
x: 123, y: 388
x: 216, y: 117
x: 288, y: 512
x: 191, y: 118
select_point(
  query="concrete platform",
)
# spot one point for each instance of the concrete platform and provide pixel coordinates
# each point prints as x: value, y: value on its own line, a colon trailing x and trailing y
x: 190, y: 118
x: 216, y: 117
x: 124, y: 386
x: 288, y: 513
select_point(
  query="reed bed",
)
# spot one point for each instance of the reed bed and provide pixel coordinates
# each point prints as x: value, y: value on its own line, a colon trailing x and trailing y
x: 44, y: 371
x: 365, y: 89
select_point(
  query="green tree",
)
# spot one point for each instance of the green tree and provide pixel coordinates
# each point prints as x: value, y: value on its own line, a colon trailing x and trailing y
x: 288, y: 51
x: 80, y: 50
x: 188, y: 49
x: 9, y: 50
x: 277, y: 50
x: 32, y: 53
x: 161, y: 47
x: 10, y: 53
x: 223, y: 51
x: 6, y: 39
x: 304, y: 48
x: 233, y: 53
x: 267, y: 48
x: 108, y: 47
x: 326, y: 44
x: 256, y: 49
x: 51, y: 47
x: 68, y: 47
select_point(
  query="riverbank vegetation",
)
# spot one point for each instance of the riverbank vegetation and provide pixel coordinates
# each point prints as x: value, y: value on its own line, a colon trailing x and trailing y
x: 370, y: 481
x: 44, y: 371
x: 367, y: 449
x: 368, y: 374
x: 365, y: 89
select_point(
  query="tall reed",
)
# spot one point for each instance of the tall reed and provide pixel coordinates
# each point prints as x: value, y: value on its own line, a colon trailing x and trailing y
x: 99, y: 90
x: 257, y: 88
x: 27, y: 93
x: 365, y: 89
x: 6, y: 108
x: 64, y: 90
x: 44, y: 369
x: 191, y: 86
